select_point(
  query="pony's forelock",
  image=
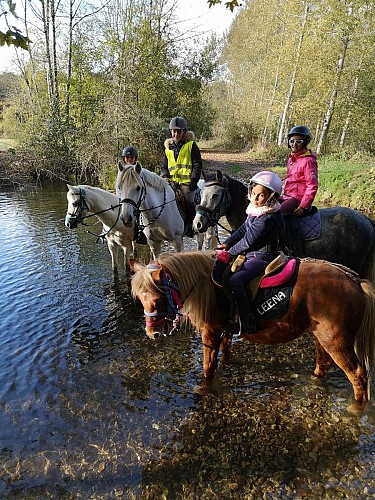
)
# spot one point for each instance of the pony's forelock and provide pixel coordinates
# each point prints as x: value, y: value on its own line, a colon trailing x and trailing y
x: 129, y: 175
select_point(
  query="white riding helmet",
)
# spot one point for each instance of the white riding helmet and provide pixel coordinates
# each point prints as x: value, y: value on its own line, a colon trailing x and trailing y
x: 269, y: 180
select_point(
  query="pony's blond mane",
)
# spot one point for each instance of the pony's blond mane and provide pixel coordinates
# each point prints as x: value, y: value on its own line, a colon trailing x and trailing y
x: 129, y: 176
x: 192, y: 273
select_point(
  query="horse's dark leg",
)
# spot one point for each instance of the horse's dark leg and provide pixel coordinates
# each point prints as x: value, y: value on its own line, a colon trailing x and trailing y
x: 323, y: 361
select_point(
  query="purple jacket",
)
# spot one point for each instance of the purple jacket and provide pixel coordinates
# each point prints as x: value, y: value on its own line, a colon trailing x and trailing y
x: 302, y: 177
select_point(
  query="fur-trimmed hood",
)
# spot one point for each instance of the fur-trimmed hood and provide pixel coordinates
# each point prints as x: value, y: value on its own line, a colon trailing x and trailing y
x: 190, y: 136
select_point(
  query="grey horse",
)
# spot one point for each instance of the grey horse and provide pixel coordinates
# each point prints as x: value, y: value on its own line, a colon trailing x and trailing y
x: 347, y: 237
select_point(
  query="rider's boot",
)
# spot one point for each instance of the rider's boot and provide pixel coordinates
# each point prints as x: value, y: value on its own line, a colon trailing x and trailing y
x: 245, y: 311
x: 190, y: 214
x: 286, y: 240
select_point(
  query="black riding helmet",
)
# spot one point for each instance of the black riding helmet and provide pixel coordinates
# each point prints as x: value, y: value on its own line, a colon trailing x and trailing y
x: 178, y: 122
x: 302, y: 131
x: 129, y: 151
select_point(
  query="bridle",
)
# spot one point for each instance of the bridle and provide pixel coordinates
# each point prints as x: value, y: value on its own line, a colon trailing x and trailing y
x: 75, y: 218
x: 173, y: 300
x: 213, y: 215
x: 79, y: 206
x: 137, y: 211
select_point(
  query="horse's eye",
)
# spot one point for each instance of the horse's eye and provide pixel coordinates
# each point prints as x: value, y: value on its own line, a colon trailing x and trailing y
x: 138, y: 188
x: 214, y: 196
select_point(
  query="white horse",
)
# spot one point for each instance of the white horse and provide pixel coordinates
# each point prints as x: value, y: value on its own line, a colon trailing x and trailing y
x: 150, y: 203
x: 86, y: 201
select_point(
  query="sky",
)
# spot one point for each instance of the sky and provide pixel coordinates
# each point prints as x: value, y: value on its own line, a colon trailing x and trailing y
x: 195, y: 16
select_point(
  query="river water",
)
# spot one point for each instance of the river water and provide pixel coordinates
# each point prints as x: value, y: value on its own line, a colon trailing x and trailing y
x: 91, y: 408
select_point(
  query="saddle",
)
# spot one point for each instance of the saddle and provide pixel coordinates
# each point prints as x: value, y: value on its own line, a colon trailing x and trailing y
x: 277, y: 273
x: 306, y: 227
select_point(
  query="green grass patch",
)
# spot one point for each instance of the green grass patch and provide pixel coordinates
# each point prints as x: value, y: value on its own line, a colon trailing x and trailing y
x: 234, y: 169
x: 348, y: 182
x: 6, y: 144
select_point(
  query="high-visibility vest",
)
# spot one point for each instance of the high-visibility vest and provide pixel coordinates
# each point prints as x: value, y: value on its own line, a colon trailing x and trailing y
x: 180, y: 169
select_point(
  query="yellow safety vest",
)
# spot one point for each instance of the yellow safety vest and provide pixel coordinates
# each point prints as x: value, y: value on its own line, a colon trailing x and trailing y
x: 180, y: 169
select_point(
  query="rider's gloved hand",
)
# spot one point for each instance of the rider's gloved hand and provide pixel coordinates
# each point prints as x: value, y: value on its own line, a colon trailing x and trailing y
x: 299, y: 211
x: 223, y: 256
x: 221, y: 247
x: 193, y: 184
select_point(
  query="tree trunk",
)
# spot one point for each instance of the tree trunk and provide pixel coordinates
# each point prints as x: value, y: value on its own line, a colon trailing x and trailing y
x: 280, y: 138
x: 350, y: 111
x: 333, y: 99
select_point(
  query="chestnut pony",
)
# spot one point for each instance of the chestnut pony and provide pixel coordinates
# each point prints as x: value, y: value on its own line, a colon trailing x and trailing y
x: 328, y: 301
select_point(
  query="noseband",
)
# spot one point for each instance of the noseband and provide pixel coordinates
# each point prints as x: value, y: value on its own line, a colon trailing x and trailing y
x: 173, y: 298
x: 213, y: 216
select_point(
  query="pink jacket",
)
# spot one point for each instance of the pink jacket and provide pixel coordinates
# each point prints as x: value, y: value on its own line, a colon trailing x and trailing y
x: 302, y: 177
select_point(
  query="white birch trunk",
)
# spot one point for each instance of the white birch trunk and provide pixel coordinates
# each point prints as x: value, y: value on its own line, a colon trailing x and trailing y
x: 293, y: 79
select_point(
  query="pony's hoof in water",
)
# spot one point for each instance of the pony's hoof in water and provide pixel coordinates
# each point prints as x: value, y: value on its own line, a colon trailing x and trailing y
x: 357, y: 408
x: 200, y: 389
x: 214, y: 387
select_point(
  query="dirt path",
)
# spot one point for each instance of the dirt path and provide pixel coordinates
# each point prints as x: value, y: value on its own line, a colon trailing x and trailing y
x: 236, y: 165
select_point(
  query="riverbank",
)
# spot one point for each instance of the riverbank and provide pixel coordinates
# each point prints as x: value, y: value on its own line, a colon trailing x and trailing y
x: 347, y: 182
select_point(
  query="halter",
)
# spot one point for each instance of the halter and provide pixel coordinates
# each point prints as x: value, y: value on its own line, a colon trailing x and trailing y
x: 173, y: 298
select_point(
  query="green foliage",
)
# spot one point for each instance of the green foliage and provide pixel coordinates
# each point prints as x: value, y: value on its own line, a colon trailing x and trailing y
x: 259, y: 57
x: 12, y: 36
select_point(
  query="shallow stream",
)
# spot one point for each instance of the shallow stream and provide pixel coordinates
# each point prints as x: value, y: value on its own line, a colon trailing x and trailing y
x: 91, y: 408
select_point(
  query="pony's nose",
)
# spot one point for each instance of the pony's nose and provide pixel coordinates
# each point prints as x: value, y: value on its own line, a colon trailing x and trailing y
x: 153, y: 335
x: 71, y: 221
x: 127, y: 221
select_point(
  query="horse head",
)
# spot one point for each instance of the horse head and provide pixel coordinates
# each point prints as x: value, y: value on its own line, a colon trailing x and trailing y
x: 159, y: 295
x: 131, y: 190
x: 214, y: 201
x: 77, y: 206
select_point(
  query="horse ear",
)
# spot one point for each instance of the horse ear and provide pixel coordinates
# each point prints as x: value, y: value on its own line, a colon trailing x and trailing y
x: 120, y: 166
x: 204, y: 175
x: 135, y: 265
x: 138, y: 167
x: 219, y: 176
x: 68, y: 187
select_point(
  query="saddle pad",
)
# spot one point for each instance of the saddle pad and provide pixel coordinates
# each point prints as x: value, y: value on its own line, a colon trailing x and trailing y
x: 272, y: 303
x: 280, y: 278
x: 304, y: 228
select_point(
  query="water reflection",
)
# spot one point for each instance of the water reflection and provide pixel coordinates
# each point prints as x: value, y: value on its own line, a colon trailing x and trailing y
x: 90, y: 407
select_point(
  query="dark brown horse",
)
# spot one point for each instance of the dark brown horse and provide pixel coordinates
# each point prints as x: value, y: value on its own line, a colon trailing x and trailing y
x: 329, y: 302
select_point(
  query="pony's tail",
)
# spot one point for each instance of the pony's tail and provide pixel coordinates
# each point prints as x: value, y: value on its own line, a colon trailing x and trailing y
x: 365, y: 338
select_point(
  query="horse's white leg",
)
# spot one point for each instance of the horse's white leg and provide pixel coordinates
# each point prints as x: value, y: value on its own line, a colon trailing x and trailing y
x: 113, y: 250
x: 155, y: 247
x: 128, y: 250
x: 200, y: 239
x: 211, y: 240
x: 179, y: 244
